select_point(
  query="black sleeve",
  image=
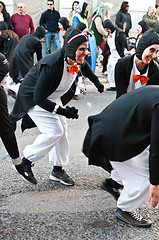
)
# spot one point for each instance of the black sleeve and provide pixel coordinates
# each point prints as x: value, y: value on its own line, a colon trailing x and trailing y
x: 87, y: 72
x: 120, y: 79
x: 38, y: 50
x: 44, y: 83
x: 42, y: 20
x: 118, y: 20
x: 123, y: 43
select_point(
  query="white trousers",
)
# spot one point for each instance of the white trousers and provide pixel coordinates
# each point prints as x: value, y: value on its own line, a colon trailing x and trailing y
x: 53, y: 138
x: 133, y: 174
x: 111, y: 70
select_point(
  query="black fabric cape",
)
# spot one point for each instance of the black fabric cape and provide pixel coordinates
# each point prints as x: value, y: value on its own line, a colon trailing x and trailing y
x: 124, y: 129
x: 22, y: 58
x: 123, y: 71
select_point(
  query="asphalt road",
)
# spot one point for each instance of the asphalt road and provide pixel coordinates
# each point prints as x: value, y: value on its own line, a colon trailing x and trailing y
x: 52, y: 211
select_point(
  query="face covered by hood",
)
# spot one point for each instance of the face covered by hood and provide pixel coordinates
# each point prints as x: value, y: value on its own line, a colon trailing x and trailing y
x: 73, y: 39
x: 148, y: 38
x: 144, y: 26
x: 108, y: 24
x: 4, y: 66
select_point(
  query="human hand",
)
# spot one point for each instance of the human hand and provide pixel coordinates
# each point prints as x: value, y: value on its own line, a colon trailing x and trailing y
x: 153, y: 195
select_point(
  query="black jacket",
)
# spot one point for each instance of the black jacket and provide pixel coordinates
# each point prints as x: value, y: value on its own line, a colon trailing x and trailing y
x: 120, y: 43
x: 124, y: 129
x: 123, y: 71
x: 23, y: 55
x: 41, y: 81
x: 49, y: 20
x: 121, y: 18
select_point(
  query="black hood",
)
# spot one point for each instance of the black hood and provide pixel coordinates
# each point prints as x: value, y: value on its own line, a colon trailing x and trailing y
x: 65, y: 23
x: 4, y: 66
x: 84, y: 12
x: 73, y: 39
x: 40, y: 32
x: 81, y: 26
x: 144, y: 26
x: 108, y: 24
x: 3, y: 26
x: 148, y: 38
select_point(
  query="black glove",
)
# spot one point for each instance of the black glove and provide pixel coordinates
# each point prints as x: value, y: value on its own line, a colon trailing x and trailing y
x: 69, y: 112
x: 100, y: 87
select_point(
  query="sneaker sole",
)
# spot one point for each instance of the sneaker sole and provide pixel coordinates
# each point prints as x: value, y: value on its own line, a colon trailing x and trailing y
x: 25, y: 180
x: 59, y: 180
x: 109, y: 191
x: 132, y: 224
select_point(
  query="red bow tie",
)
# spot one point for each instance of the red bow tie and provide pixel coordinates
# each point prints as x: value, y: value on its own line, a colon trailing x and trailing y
x: 143, y: 79
x: 74, y: 68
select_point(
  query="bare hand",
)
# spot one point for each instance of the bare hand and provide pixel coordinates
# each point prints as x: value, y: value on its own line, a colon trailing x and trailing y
x: 153, y: 195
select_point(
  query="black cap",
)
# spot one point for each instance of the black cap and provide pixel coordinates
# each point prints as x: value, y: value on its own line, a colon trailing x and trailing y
x: 3, y: 26
x: 4, y: 66
x: 148, y: 38
x: 73, y: 39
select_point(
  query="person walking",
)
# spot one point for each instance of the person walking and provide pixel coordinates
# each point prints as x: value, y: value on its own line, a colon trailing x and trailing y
x: 22, y: 22
x: 48, y: 86
x: 49, y: 20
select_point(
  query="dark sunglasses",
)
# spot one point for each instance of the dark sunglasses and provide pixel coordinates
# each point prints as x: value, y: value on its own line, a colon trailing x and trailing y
x: 50, y: 4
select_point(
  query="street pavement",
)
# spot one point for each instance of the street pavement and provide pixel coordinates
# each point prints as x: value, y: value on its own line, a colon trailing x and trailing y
x: 50, y: 210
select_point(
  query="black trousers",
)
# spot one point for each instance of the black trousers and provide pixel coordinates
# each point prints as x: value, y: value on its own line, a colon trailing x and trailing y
x: 6, y: 130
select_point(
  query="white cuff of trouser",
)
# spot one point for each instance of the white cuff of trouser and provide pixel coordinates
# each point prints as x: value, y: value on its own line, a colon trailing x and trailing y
x: 55, y: 109
x: 17, y: 161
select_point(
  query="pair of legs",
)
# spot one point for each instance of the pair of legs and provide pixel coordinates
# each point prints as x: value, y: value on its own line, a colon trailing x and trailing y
x: 56, y: 41
x: 133, y: 175
x: 53, y: 140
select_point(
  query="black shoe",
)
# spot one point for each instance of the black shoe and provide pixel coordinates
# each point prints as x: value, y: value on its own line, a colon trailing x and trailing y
x: 62, y: 177
x: 111, y: 89
x: 25, y: 170
x: 111, y: 187
x: 12, y: 93
x: 133, y: 218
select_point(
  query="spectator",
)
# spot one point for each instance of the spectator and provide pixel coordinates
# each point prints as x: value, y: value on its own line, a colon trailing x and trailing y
x: 157, y: 10
x: 142, y: 27
x: 80, y: 17
x: 123, y: 18
x: 49, y: 20
x: 22, y: 22
x: 75, y: 6
x: 150, y: 18
x: 5, y: 16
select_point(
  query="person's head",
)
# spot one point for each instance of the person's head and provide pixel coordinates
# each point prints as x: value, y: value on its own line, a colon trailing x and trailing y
x: 84, y: 12
x: 157, y: 8
x: 3, y: 26
x: 50, y: 5
x: 75, y: 5
x: 108, y: 25
x: 142, y: 27
x: 151, y: 11
x: 76, y: 45
x: 40, y: 32
x: 147, y: 47
x: 21, y: 8
x: 4, y: 67
x: 63, y: 24
x: 124, y: 7
x: 3, y: 6
x: 81, y: 26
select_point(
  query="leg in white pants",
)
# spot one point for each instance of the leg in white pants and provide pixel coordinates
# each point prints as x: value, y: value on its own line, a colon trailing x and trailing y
x: 134, y: 176
x: 111, y: 70
x: 53, y: 138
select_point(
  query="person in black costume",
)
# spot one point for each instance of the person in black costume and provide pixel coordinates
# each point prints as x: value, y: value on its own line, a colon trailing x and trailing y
x: 6, y: 130
x: 48, y: 86
x: 126, y: 135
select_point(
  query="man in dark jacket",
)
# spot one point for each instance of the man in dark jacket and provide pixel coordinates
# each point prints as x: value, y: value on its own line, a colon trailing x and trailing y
x: 126, y: 135
x: 48, y: 86
x: 49, y: 20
